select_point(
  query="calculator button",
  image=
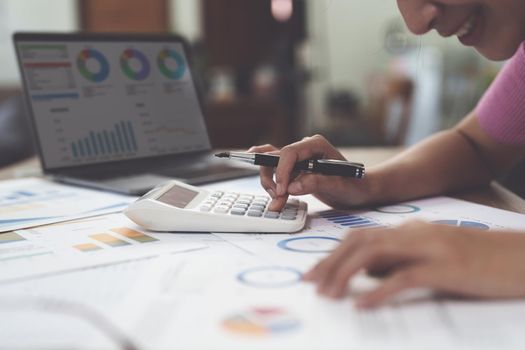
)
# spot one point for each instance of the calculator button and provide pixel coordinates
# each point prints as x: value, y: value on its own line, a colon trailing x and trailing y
x: 288, y: 217
x: 255, y: 213
x: 260, y: 202
x: 221, y: 210
x: 240, y: 206
x: 258, y: 206
x: 243, y: 201
x: 246, y: 197
x: 236, y: 211
x: 217, y: 194
x: 271, y: 214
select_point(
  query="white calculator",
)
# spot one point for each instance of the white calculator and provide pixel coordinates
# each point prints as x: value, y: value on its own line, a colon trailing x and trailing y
x: 176, y: 206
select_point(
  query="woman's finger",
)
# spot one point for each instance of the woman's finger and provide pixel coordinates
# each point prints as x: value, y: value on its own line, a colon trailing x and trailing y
x: 266, y: 179
x: 327, y: 266
x: 262, y: 148
x: 416, y: 276
x: 311, y: 147
x: 304, y: 184
x: 266, y: 173
x: 376, y: 249
x: 278, y: 203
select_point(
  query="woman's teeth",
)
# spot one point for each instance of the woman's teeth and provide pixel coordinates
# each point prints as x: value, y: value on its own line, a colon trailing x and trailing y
x: 467, y: 27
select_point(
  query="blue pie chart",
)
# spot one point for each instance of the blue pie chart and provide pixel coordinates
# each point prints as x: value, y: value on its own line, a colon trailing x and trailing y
x: 398, y: 209
x: 463, y: 223
x: 309, y: 244
x: 270, y: 277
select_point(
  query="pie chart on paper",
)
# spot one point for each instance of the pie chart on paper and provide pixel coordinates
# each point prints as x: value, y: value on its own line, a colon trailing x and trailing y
x: 398, y: 209
x: 261, y: 322
x: 463, y: 223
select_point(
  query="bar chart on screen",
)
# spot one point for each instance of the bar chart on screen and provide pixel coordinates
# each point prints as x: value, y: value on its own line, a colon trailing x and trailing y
x: 111, y: 101
x: 121, y: 139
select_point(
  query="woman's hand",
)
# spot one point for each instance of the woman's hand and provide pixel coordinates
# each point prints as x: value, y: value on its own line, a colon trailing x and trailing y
x: 460, y: 261
x: 333, y: 190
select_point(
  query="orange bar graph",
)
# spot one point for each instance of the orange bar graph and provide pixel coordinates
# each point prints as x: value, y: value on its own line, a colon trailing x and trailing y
x: 109, y: 240
x: 134, y: 235
x: 87, y: 247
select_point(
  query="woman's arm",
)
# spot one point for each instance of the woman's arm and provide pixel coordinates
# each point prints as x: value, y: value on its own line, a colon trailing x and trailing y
x: 460, y: 158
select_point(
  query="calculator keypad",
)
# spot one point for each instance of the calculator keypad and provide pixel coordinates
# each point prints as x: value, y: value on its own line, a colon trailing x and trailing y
x: 238, y: 204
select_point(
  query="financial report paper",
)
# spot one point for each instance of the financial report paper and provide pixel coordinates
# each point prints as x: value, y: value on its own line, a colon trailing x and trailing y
x: 35, y: 201
x: 238, y: 291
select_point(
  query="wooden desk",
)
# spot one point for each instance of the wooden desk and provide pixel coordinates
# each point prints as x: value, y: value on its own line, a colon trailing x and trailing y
x: 494, y: 195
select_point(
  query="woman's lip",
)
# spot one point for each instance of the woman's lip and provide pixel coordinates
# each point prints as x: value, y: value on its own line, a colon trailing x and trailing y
x: 474, y: 34
x: 467, y: 27
x: 451, y: 32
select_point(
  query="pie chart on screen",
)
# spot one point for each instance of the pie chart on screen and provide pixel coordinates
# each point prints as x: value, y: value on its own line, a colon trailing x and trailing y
x: 93, y: 65
x: 134, y: 64
x: 171, y: 64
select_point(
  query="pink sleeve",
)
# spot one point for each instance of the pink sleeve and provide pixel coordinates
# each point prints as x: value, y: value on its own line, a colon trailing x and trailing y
x: 501, y: 111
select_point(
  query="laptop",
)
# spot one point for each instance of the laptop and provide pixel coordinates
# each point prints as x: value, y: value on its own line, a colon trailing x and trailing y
x: 117, y: 112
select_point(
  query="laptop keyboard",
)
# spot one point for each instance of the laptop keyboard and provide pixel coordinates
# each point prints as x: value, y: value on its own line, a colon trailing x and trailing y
x: 200, y: 175
x: 195, y: 173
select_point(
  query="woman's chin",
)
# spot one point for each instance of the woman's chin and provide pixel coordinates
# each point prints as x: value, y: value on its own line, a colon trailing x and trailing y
x: 501, y: 53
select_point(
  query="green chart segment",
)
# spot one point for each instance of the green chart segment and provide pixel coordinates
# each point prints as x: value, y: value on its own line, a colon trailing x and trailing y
x: 120, y: 140
x: 98, y: 75
x: 10, y: 237
x: 171, y: 64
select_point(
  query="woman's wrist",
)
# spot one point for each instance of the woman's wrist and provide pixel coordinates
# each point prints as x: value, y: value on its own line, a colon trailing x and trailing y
x: 370, y: 189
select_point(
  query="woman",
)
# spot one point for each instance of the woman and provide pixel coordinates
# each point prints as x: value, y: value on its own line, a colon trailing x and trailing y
x: 488, y: 142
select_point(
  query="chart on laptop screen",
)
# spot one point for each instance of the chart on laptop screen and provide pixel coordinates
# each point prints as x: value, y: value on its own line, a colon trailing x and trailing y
x: 107, y: 101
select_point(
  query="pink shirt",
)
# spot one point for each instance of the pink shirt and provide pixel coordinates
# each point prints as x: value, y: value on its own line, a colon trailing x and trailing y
x: 501, y: 111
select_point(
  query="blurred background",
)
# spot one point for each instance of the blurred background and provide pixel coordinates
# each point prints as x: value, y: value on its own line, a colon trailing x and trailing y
x: 274, y: 71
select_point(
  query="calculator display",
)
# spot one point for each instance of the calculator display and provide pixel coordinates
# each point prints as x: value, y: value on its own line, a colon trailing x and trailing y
x: 178, y: 197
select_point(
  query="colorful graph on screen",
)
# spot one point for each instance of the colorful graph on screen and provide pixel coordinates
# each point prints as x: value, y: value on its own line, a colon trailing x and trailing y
x: 120, y: 140
x: 171, y: 64
x: 93, y: 65
x: 134, y: 64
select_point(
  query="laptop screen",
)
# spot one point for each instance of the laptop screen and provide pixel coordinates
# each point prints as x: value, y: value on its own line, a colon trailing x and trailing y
x: 96, y: 101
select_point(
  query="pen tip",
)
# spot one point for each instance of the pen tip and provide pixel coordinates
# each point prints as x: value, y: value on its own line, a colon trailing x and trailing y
x: 223, y: 155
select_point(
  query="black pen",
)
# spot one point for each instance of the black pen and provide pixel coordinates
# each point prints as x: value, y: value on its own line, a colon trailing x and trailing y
x: 318, y: 166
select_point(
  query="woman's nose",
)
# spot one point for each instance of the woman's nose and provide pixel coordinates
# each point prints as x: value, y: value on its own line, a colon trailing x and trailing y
x: 419, y: 15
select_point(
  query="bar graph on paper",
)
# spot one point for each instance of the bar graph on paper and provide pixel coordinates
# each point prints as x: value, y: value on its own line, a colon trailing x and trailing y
x: 121, y: 139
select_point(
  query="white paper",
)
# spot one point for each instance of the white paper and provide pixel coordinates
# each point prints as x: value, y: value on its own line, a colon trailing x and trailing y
x: 85, y: 243
x: 244, y: 291
x: 81, y: 309
x: 34, y: 201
